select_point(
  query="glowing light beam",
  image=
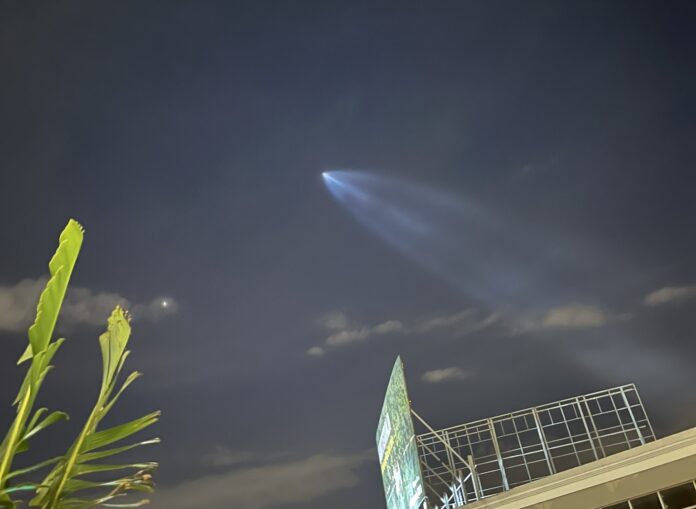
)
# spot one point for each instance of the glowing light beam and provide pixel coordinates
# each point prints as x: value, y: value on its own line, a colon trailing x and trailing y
x: 465, y: 244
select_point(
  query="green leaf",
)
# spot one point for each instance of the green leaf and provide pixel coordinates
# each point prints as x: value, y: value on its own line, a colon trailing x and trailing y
x: 131, y: 378
x: 40, y: 349
x: 52, y: 418
x: 34, y: 468
x: 139, y: 503
x: 60, y: 268
x: 13, y: 438
x: 87, y: 468
x: 116, y: 433
x: 37, y: 416
x: 66, y: 478
x: 5, y: 500
x: 113, y: 347
x: 21, y: 487
x: 40, y: 365
x: 105, y: 453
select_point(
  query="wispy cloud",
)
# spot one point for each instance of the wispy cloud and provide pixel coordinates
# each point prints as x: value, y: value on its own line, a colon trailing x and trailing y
x: 223, y: 456
x: 18, y: 304
x: 569, y: 316
x: 450, y: 374
x: 462, y: 323
x: 81, y: 306
x: 350, y: 335
x: 669, y: 294
x: 575, y: 316
x: 316, y: 351
x: 155, y: 309
x: 335, y: 320
x: 272, y: 485
x: 343, y: 331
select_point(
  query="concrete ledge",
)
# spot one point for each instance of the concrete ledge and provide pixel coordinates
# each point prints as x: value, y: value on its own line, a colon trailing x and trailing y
x: 660, y: 464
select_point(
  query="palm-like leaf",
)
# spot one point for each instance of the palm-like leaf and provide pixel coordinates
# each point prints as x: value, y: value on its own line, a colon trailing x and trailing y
x: 60, y: 268
x: 66, y: 480
x: 41, y: 351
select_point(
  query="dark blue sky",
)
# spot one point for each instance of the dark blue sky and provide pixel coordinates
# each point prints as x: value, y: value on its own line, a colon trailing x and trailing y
x: 189, y: 137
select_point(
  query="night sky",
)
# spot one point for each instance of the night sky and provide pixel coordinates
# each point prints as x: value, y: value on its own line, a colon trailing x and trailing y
x: 189, y: 139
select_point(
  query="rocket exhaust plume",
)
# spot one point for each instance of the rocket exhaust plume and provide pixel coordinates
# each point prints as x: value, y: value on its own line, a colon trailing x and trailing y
x: 495, y: 260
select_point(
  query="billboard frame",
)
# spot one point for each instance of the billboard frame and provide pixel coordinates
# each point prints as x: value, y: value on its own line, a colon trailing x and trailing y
x: 400, y: 466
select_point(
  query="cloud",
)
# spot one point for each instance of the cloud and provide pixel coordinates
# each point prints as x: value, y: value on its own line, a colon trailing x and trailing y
x: 222, y: 456
x: 272, y: 485
x: 669, y: 294
x: 469, y: 321
x: 436, y: 376
x: 344, y: 332
x: 345, y: 336
x: 155, y: 310
x: 81, y: 306
x: 462, y: 323
x: 570, y: 316
x: 336, y: 320
x: 574, y: 316
x: 316, y: 351
x: 18, y: 304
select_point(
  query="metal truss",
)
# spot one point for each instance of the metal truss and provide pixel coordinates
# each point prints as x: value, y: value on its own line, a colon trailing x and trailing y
x: 472, y: 461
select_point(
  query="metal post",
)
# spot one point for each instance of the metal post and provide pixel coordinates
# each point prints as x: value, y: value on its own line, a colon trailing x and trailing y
x: 594, y: 426
x: 453, y: 466
x: 662, y: 502
x: 445, y: 502
x: 587, y: 430
x: 621, y: 423
x: 455, y: 493
x: 570, y: 434
x: 478, y: 491
x: 633, y: 417
x: 462, y: 486
x: 642, y: 407
x: 522, y: 453
x: 544, y: 445
x: 494, y: 437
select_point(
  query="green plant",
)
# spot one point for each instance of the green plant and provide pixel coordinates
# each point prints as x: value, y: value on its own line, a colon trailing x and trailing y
x: 71, y: 482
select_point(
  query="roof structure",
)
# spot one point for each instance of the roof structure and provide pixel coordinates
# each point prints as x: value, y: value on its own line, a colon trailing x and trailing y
x: 470, y: 462
x: 641, y: 472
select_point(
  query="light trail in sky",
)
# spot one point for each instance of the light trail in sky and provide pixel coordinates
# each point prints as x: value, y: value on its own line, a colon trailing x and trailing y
x: 495, y: 260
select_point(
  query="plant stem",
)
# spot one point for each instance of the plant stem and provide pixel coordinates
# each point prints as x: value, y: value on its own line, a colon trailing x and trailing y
x: 13, y: 436
x: 74, y: 453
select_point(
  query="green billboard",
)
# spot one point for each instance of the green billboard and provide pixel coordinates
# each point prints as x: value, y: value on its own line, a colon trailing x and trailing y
x: 396, y: 447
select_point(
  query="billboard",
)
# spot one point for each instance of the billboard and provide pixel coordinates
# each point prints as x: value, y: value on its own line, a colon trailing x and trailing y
x: 396, y: 447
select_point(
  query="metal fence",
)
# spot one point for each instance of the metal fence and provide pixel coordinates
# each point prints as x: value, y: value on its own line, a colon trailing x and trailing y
x: 472, y: 461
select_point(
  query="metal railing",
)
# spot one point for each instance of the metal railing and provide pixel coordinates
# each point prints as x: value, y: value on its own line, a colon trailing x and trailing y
x: 475, y: 460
